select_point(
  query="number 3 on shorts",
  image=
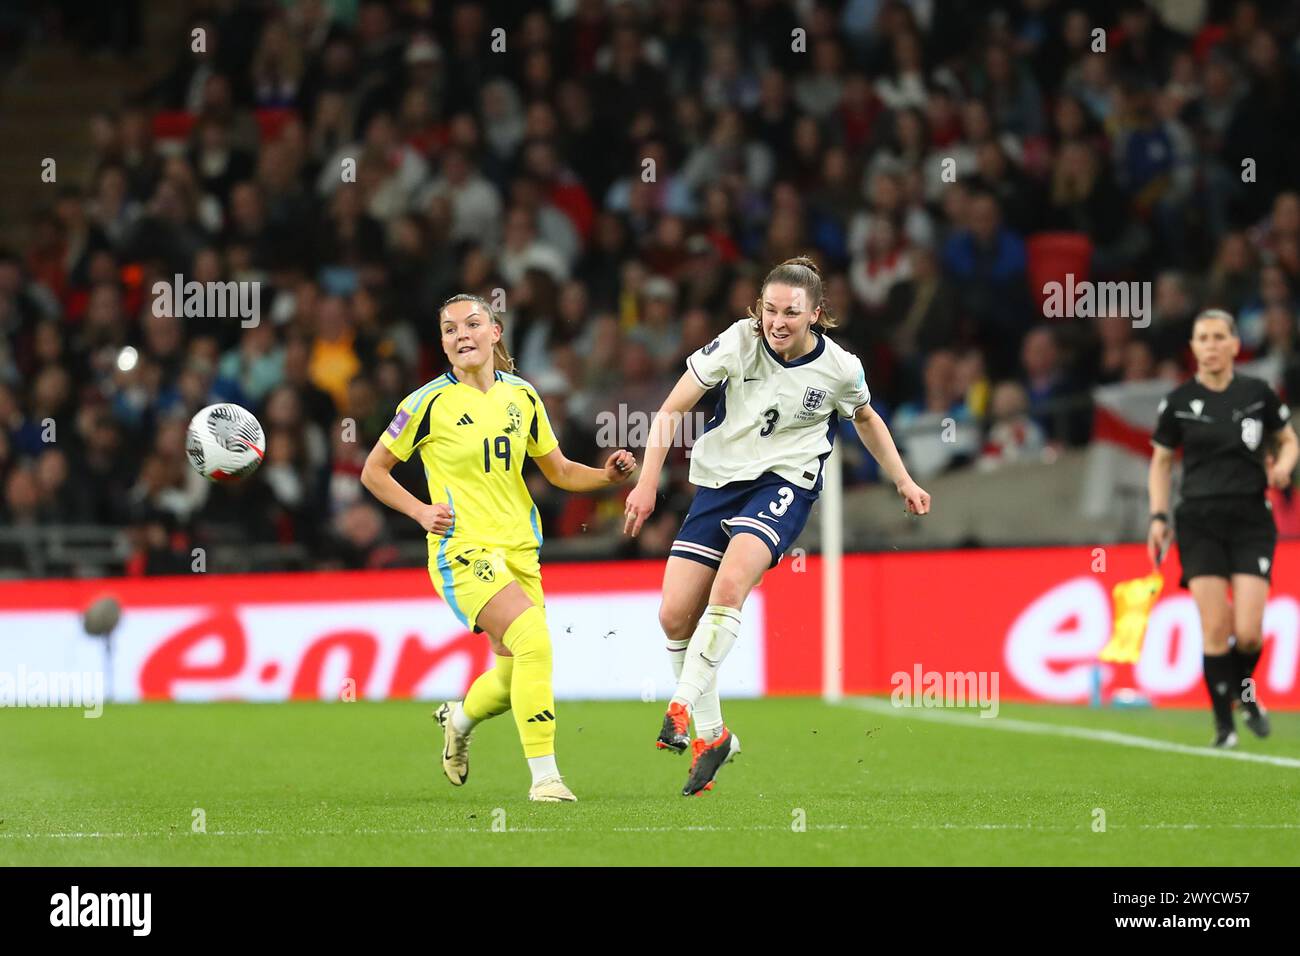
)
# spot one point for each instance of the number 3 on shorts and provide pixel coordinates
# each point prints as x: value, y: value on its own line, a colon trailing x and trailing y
x: 778, y: 507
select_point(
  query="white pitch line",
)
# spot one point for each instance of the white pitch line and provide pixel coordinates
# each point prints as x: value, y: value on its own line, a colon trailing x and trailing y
x: 514, y: 829
x: 443, y: 830
x: 878, y: 706
x: 431, y: 831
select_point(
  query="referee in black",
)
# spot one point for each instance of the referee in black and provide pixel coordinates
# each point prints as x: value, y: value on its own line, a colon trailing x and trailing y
x: 1226, y: 424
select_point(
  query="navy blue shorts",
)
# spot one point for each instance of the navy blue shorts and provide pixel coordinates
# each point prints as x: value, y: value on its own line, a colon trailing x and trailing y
x: 769, y: 507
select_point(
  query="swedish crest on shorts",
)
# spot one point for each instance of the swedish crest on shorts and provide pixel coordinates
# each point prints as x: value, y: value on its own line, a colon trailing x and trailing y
x: 813, y: 398
x: 483, y: 570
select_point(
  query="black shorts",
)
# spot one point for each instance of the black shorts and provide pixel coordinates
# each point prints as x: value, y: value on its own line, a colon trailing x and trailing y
x: 1221, y: 537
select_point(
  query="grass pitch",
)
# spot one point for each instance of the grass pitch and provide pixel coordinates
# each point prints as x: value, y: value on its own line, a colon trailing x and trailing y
x: 858, y: 783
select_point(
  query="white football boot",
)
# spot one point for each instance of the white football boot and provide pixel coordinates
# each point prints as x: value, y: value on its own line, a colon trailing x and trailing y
x: 551, y: 790
x: 455, y: 746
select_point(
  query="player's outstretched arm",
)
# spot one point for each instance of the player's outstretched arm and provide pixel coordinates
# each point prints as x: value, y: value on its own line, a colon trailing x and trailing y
x: 875, y: 436
x: 377, y: 477
x: 685, y: 395
x: 570, y: 475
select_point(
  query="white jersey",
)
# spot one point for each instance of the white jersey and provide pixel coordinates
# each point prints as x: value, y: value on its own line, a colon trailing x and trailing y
x: 773, y: 415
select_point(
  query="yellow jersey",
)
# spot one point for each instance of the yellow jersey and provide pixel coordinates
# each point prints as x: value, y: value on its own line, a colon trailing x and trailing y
x: 472, y: 445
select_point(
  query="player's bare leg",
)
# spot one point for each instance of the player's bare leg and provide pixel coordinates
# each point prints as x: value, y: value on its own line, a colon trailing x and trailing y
x: 1249, y: 595
x: 1211, y: 596
x: 686, y: 594
x: 746, y: 559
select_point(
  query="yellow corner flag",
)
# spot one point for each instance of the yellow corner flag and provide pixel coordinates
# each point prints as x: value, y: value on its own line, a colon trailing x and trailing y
x: 1133, y: 602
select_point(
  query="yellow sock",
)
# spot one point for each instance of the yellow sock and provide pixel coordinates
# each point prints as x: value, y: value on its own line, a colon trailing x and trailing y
x: 531, y: 696
x: 489, y: 695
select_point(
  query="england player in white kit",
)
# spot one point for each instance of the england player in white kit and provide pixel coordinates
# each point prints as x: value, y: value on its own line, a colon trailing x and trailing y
x: 758, y: 470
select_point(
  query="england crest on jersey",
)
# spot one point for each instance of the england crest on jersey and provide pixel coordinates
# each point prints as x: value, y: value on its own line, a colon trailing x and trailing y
x: 813, y: 398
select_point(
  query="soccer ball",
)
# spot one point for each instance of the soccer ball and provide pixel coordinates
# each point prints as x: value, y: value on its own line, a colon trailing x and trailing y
x: 225, y: 443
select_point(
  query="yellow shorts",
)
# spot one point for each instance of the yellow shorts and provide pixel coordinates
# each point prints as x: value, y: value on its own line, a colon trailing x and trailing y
x: 467, y: 575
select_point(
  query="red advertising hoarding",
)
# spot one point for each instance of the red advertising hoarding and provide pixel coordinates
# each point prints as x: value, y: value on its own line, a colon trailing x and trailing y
x: 1036, y: 617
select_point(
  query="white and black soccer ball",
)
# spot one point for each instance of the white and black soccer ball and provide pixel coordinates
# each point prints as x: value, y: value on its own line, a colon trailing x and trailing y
x: 225, y: 442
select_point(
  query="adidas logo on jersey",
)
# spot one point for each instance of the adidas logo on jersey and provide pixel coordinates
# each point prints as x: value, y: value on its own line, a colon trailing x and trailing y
x: 541, y: 718
x: 465, y: 420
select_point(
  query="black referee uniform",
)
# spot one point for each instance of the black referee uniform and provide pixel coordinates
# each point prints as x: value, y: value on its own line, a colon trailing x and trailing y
x: 1223, y: 523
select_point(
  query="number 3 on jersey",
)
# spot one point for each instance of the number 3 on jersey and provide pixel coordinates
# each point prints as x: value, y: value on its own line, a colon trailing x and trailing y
x: 770, y: 416
x: 501, y: 448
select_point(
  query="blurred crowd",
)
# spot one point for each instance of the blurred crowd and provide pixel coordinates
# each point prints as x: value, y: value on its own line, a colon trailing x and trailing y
x: 623, y: 174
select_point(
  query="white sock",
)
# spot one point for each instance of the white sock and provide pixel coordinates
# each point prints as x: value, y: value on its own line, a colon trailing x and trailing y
x: 461, y: 720
x: 708, y: 714
x: 677, y: 654
x: 712, y: 641
x: 708, y: 709
x: 543, y: 767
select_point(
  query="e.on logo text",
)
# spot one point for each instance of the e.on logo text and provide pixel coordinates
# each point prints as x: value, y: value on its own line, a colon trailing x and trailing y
x: 214, y: 657
x: 1053, y: 643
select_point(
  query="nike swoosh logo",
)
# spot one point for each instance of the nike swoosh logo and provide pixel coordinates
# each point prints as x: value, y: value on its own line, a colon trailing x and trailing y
x: 751, y: 380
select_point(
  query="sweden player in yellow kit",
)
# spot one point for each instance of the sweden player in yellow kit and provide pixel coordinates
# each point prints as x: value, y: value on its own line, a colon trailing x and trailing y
x: 472, y: 427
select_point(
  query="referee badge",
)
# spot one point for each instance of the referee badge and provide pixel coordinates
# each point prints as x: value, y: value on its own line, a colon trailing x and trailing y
x: 483, y: 570
x: 813, y: 398
x: 1251, y: 432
